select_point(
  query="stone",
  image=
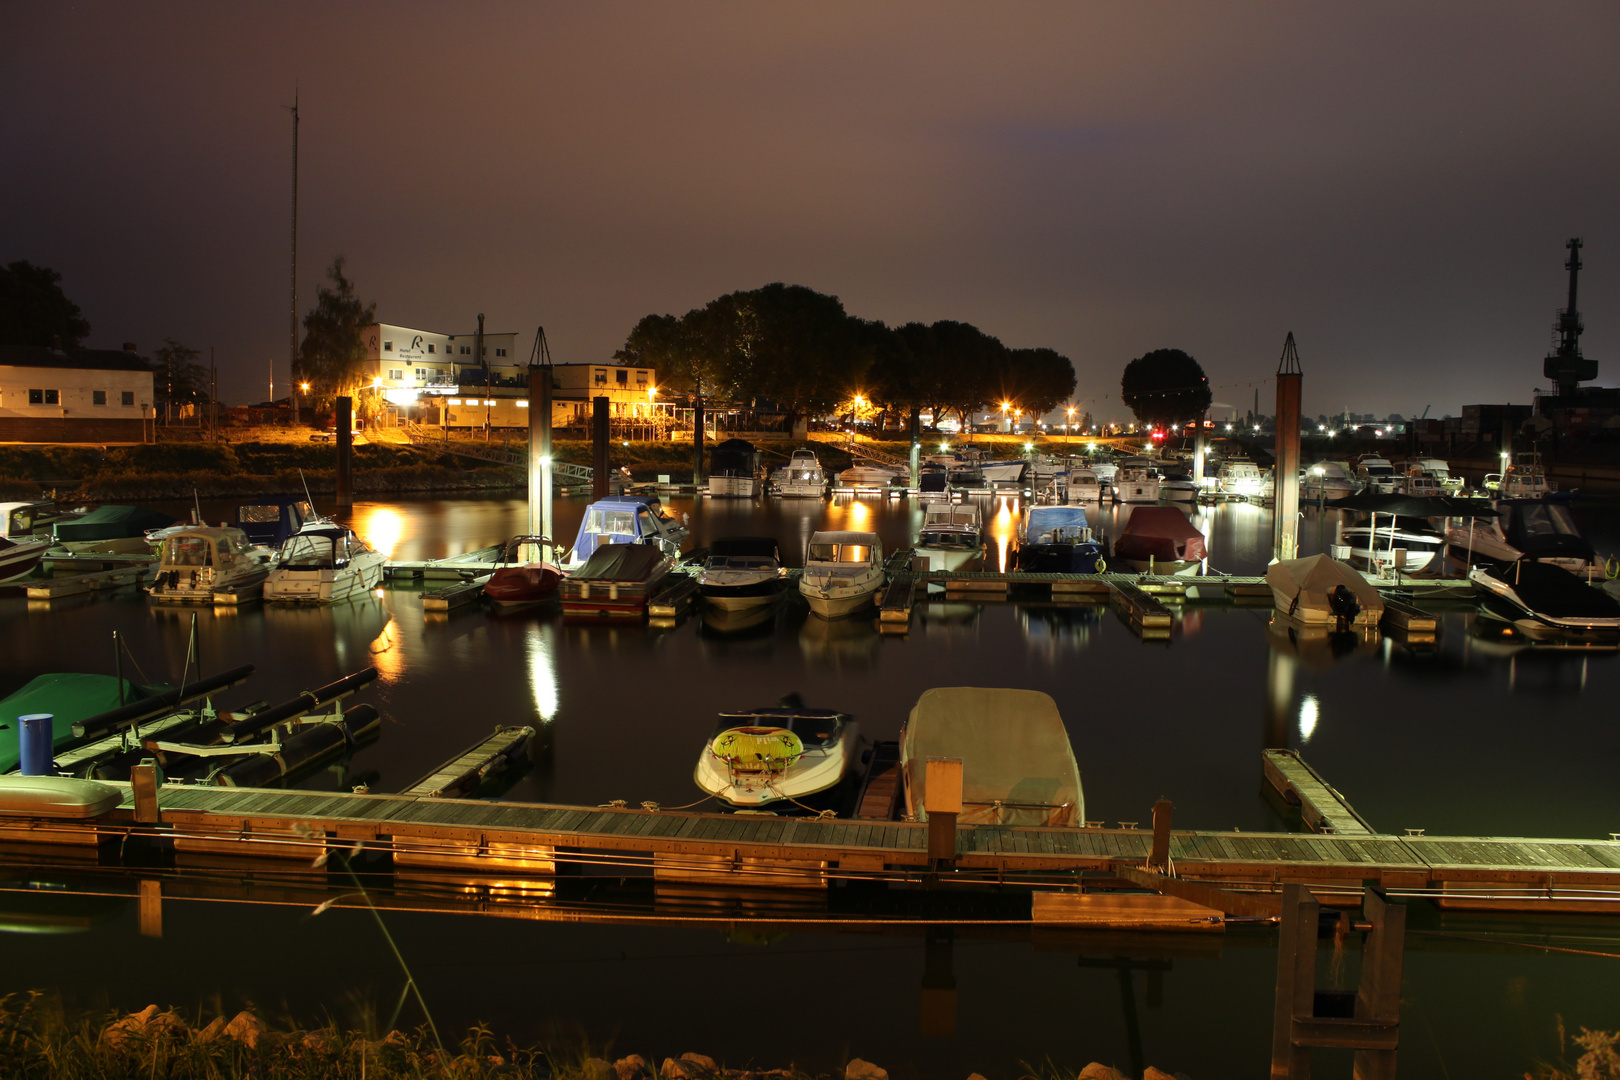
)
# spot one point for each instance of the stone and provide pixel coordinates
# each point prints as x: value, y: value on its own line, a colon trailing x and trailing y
x: 1098, y: 1071
x: 246, y: 1029
x: 688, y: 1067
x: 630, y: 1067
x: 1156, y: 1074
x: 975, y: 1076
x: 146, y: 1024
x: 597, y: 1069
x: 211, y: 1032
x: 702, y: 1061
x: 864, y: 1070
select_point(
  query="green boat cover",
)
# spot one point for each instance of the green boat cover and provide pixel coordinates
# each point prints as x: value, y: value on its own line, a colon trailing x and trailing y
x: 69, y: 697
x: 112, y: 523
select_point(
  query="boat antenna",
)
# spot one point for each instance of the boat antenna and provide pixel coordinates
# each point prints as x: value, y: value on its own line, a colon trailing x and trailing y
x: 196, y: 507
x: 307, y: 496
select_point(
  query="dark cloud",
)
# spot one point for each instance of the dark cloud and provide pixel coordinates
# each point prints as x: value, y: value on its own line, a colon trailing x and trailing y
x: 1392, y: 183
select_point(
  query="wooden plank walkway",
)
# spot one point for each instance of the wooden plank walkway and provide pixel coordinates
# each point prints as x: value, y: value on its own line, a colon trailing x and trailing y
x: 1531, y: 874
x: 467, y: 565
x: 880, y: 793
x: 1144, y: 610
x: 77, y: 584
x: 462, y: 774
x: 1320, y: 804
x: 1413, y: 620
x: 454, y: 596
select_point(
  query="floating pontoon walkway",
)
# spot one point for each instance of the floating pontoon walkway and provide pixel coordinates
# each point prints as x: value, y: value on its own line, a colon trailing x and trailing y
x: 532, y: 839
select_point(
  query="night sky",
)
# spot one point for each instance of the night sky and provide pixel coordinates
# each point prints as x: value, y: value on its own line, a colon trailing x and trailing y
x: 1392, y: 183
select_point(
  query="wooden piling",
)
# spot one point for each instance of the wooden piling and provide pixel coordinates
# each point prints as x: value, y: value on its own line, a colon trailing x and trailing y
x: 1286, y: 474
x: 942, y: 800
x: 599, y: 448
x: 345, y: 451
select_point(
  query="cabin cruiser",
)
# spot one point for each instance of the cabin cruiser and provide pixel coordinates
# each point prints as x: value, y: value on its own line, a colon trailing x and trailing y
x: 325, y: 562
x: 273, y: 520
x: 933, y: 482
x: 528, y: 573
x: 1451, y: 485
x: 951, y: 537
x: 1084, y: 486
x: 618, y: 580
x: 1160, y: 540
x: 732, y: 468
x: 1420, y: 484
x: 1546, y: 602
x: 1328, y: 480
x: 626, y: 519
x: 20, y: 548
x: 1377, y: 475
x: 198, y: 562
x: 1056, y: 540
x: 869, y: 477
x: 1374, y: 545
x: 801, y: 478
x: 769, y: 757
x: 111, y: 530
x: 1017, y: 765
x: 1176, y: 483
x: 842, y: 572
x: 1524, y: 479
x: 1320, y: 591
x: 1136, y: 482
x: 1538, y: 529
x: 1105, y: 470
x: 743, y: 572
x: 1239, y: 476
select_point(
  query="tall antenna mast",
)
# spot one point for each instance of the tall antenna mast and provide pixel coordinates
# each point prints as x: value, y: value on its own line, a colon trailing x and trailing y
x: 292, y: 301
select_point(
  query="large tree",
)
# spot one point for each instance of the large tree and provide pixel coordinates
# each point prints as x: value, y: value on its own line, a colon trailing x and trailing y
x: 1165, y: 386
x: 1038, y: 380
x: 35, y: 311
x: 178, y: 378
x: 334, y: 347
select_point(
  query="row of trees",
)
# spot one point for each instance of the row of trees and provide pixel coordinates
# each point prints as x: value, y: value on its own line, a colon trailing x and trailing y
x: 801, y: 352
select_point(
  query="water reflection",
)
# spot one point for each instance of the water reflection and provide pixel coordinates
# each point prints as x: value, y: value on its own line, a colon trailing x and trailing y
x: 1054, y: 629
x: 1308, y: 713
x: 541, y: 646
x: 379, y: 526
x: 841, y: 643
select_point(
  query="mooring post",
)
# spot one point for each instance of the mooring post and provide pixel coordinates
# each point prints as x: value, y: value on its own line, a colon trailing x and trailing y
x: 345, y: 452
x: 1378, y: 999
x: 599, y: 448
x: 916, y: 446
x: 1296, y: 982
x: 540, y: 450
x: 937, y: 1000
x: 1198, y: 456
x: 697, y: 441
x: 1159, y: 857
x: 1285, y: 528
x: 144, y: 780
x: 942, y: 801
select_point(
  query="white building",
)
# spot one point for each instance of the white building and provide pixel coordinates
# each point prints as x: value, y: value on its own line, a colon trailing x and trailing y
x: 101, y: 396
x: 404, y: 363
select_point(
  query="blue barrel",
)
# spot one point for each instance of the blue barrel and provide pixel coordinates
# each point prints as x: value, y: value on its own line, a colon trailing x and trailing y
x: 37, y: 743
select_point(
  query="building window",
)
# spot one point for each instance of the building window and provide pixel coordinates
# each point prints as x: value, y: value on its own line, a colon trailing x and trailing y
x: 641, y: 378
x: 98, y: 397
x: 500, y: 352
x: 622, y: 377
x: 430, y: 346
x: 128, y: 397
x: 44, y: 397
x: 395, y: 374
x: 388, y: 346
x: 601, y: 377
x: 421, y: 373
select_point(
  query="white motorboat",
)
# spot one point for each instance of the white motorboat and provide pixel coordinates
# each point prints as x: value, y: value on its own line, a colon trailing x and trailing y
x: 768, y: 757
x: 1176, y: 483
x: 951, y: 537
x: 1377, y: 475
x: 1084, y: 486
x: 869, y: 477
x: 1540, y: 530
x: 1421, y: 485
x: 624, y: 519
x: 111, y: 530
x: 842, y: 572
x: 198, y: 562
x: 1525, y: 479
x: 732, y: 468
x: 20, y: 548
x: 322, y: 563
x: 1105, y: 470
x: 742, y: 572
x: 1328, y: 480
x: 801, y: 478
x: 1016, y: 764
x: 1377, y: 552
x: 1005, y: 474
x: 1240, y: 476
x: 1546, y: 602
x: 1451, y: 485
x: 1136, y: 482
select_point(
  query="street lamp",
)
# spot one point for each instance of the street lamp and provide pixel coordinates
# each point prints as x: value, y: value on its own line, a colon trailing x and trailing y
x: 303, y: 388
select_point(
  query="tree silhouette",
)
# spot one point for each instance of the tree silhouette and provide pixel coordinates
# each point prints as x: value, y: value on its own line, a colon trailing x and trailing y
x: 1165, y: 386
x: 333, y: 348
x: 35, y: 311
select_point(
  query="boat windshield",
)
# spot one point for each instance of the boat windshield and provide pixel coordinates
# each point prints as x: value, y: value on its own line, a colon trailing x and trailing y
x: 841, y: 553
x: 1378, y: 470
x: 817, y: 731
x: 612, y: 522
x: 1548, y: 519
x: 189, y: 551
x: 316, y: 552
x: 740, y: 562
x: 943, y: 538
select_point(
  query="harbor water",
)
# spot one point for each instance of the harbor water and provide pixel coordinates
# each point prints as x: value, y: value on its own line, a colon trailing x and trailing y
x: 1464, y: 736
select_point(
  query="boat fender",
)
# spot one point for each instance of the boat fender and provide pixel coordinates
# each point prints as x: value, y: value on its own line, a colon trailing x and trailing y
x: 1102, y: 565
x: 1611, y: 568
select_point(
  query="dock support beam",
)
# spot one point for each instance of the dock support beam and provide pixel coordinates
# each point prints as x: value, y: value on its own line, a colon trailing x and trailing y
x: 540, y: 450
x: 599, y: 448
x: 1198, y: 454
x: 937, y: 1001
x: 697, y: 441
x: 942, y: 801
x: 345, y: 452
x: 1286, y: 475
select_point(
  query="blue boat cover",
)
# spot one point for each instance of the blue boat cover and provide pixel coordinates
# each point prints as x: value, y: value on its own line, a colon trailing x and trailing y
x: 616, y: 520
x: 1051, y: 519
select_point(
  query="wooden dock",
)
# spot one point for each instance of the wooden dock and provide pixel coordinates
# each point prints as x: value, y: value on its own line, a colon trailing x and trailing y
x: 525, y: 839
x: 1143, y: 610
x: 466, y: 566
x: 1405, y: 617
x: 463, y: 774
x: 679, y: 593
x: 1320, y: 804
x: 454, y: 596
x: 57, y: 588
x: 880, y: 791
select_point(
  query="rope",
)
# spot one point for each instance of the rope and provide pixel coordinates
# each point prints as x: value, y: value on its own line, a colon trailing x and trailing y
x: 1520, y: 944
x: 820, y: 814
x: 653, y: 808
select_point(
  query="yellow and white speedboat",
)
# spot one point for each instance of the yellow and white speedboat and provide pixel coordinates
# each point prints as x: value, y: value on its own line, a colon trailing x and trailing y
x: 776, y: 755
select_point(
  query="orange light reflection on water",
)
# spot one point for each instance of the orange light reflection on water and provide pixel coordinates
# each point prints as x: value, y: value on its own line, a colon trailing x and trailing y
x: 381, y: 527
x: 1004, y: 528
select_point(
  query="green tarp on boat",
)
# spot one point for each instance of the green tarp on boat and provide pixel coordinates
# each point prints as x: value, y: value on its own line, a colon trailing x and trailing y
x: 69, y: 697
x: 111, y: 523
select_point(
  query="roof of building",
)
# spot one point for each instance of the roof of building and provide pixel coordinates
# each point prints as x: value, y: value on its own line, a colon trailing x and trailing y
x: 42, y: 356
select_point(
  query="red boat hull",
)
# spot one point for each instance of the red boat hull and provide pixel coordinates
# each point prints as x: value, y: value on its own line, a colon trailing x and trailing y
x: 534, y: 583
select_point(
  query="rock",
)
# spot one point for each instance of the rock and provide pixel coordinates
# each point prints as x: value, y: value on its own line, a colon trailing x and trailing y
x: 975, y: 1076
x: 246, y: 1029
x: 146, y: 1024
x: 597, y: 1069
x: 1156, y: 1074
x: 1098, y: 1071
x: 700, y: 1060
x: 629, y: 1067
x: 864, y: 1070
x: 688, y: 1067
x: 211, y: 1032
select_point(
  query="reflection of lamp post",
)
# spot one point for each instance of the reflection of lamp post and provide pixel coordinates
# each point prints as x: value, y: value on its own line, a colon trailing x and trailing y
x: 1005, y: 405
x: 1321, y: 503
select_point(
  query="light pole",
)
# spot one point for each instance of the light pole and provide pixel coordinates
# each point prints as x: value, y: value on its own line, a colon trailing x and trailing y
x: 1321, y: 504
x: 303, y: 389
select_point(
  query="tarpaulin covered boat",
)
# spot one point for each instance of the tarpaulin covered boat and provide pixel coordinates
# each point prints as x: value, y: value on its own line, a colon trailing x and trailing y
x: 1018, y: 766
x: 112, y: 530
x: 1320, y: 591
x: 1160, y: 540
x: 618, y: 579
x: 1547, y: 602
